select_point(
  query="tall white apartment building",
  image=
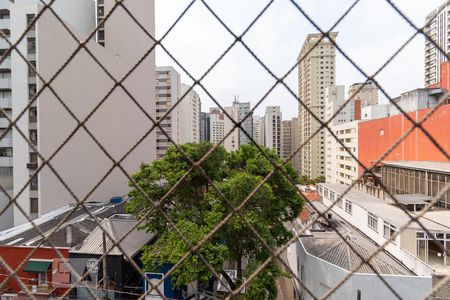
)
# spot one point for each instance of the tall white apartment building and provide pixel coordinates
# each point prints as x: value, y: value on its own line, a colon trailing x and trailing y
x: 232, y: 141
x: 247, y: 124
x: 217, y: 124
x: 183, y: 122
x: 316, y: 71
x: 436, y: 27
x: 258, y: 130
x: 272, y: 128
x: 366, y: 92
x: 117, y: 124
x: 189, y: 116
x: 168, y: 88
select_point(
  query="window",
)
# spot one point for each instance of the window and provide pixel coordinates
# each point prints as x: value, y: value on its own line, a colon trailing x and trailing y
x: 348, y: 207
x: 6, y: 152
x: 34, y: 183
x: 31, y: 91
x: 31, y: 45
x: 30, y: 18
x: 372, y: 221
x: 389, y: 230
x: 34, y: 205
x: 339, y: 202
x: 32, y: 69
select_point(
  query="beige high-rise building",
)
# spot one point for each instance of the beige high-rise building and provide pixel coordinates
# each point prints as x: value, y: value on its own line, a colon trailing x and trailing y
x: 286, y: 139
x: 258, y: 130
x: 316, y: 71
x: 188, y: 116
x: 367, y: 92
x: 231, y: 142
x: 295, y: 144
x: 272, y: 128
x: 216, y: 122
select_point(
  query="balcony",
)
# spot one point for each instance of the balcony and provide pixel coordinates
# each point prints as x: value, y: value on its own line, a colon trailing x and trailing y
x: 4, y: 44
x: 6, y: 142
x: 6, y: 64
x: 32, y: 80
x: 5, y: 24
x: 5, y: 103
x: 5, y: 83
x: 6, y: 161
x: 4, y: 123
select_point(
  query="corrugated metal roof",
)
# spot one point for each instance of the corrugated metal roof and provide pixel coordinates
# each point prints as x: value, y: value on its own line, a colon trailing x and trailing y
x: 330, y: 247
x: 116, y: 226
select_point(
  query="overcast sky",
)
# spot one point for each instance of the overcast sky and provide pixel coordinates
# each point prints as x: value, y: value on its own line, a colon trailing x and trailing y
x: 369, y: 34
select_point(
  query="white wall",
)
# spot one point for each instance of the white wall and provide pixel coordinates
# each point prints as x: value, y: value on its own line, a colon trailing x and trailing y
x: 118, y: 124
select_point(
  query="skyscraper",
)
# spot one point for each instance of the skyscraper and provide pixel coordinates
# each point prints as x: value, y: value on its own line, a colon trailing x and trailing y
x: 205, y: 126
x: 188, y: 116
x: 232, y: 141
x: 272, y: 128
x: 258, y: 130
x: 216, y: 130
x: 436, y: 27
x: 247, y: 124
x: 316, y: 71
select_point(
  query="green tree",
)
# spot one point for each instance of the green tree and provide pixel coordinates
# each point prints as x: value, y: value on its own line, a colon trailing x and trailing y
x: 196, y: 208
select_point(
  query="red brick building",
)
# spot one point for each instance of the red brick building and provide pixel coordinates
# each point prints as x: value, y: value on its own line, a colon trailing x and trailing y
x: 45, y: 270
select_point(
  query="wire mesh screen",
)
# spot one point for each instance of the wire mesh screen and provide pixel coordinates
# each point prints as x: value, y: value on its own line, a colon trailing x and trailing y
x: 205, y: 224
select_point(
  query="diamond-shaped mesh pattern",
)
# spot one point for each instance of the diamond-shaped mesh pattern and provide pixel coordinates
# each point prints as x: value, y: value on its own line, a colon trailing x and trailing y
x: 82, y: 204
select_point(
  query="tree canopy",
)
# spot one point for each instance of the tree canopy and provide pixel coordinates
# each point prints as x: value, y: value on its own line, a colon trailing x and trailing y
x: 196, y: 207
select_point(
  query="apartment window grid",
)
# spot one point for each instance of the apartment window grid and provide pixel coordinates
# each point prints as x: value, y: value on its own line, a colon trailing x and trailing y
x: 273, y: 253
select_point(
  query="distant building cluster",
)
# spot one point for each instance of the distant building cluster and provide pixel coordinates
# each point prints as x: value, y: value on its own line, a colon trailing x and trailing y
x: 380, y: 171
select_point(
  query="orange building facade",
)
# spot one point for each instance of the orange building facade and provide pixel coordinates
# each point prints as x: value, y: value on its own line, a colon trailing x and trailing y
x: 375, y: 137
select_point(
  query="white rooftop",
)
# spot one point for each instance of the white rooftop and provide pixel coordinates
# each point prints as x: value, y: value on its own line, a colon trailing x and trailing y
x: 438, y: 220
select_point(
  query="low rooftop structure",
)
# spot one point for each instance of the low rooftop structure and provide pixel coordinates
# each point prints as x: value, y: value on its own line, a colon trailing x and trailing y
x: 78, y: 225
x: 119, y: 227
x: 436, y: 167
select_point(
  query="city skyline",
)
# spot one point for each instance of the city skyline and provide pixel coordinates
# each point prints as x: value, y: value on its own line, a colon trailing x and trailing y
x: 278, y: 46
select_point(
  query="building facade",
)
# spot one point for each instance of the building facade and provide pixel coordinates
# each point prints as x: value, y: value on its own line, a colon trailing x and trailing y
x: 48, y: 123
x: 217, y: 125
x: 366, y: 92
x: 316, y: 71
x: 286, y: 139
x: 272, y: 128
x: 168, y: 88
x: 342, y: 168
x: 188, y: 116
x: 231, y: 116
x: 205, y: 126
x: 247, y: 123
x: 258, y: 130
x: 436, y: 24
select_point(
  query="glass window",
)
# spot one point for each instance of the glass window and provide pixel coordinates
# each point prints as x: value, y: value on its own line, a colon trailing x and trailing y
x: 348, y: 207
x: 372, y: 221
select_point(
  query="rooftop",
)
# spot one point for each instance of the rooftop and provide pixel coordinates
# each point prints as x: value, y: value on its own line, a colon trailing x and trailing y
x: 326, y: 244
x: 117, y: 227
x: 438, y: 167
x: 434, y: 220
x: 79, y: 220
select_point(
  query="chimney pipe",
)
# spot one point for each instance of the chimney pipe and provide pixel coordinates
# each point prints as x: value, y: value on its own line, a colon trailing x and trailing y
x: 69, y: 235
